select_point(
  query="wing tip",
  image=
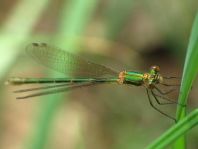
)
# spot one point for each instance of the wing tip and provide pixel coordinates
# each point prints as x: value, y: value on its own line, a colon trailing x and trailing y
x: 37, y: 44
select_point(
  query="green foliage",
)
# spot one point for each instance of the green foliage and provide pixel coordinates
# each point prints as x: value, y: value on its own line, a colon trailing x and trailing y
x: 189, y: 75
x: 73, y: 22
x: 176, y: 131
x: 16, y: 30
x: 115, y: 22
x: 190, y: 69
x: 75, y: 16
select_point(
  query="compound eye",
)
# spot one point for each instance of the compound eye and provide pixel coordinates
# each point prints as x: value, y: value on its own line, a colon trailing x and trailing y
x: 155, y: 68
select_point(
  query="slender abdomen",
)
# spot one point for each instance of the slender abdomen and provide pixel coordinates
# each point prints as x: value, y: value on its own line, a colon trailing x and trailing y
x: 18, y: 81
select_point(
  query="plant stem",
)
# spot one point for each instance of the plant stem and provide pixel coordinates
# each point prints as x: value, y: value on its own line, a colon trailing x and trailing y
x: 189, y: 75
x: 176, y: 131
x: 73, y: 20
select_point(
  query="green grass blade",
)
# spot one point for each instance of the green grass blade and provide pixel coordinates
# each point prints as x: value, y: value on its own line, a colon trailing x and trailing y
x: 115, y: 21
x: 189, y: 75
x: 16, y: 30
x: 73, y: 22
x: 190, y: 69
x: 176, y: 131
x: 76, y: 22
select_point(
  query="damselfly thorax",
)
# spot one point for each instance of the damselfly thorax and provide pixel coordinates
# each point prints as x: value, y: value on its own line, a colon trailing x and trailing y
x: 148, y: 79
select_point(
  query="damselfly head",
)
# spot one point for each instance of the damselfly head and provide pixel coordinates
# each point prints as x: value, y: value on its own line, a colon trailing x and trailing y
x: 154, y: 69
x: 154, y: 75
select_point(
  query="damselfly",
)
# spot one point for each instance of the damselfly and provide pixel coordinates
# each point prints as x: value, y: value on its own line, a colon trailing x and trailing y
x: 88, y: 74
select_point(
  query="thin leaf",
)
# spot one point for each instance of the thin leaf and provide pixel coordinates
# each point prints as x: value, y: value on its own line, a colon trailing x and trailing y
x: 73, y: 21
x: 189, y: 75
x: 176, y: 131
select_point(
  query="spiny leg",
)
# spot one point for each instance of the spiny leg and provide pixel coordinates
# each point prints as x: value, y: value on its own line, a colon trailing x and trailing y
x: 169, y: 84
x: 165, y: 98
x: 171, y: 77
x: 151, y: 103
x: 162, y: 92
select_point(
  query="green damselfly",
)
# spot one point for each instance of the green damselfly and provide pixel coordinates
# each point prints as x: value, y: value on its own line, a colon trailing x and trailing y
x: 88, y: 74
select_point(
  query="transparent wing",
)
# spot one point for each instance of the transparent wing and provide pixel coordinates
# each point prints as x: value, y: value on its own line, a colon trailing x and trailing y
x: 65, y: 62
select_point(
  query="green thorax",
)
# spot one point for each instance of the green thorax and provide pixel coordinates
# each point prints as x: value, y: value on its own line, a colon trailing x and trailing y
x: 135, y: 78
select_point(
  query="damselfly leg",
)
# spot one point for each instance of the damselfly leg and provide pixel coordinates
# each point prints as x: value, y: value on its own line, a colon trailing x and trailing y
x: 157, y: 93
x: 152, y: 105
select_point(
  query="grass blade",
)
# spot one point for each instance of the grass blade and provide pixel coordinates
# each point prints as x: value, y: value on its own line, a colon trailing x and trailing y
x: 189, y: 75
x: 16, y: 30
x: 176, y: 131
x: 73, y: 22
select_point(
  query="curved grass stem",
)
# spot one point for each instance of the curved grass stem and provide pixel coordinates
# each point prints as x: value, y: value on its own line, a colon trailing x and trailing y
x: 176, y: 131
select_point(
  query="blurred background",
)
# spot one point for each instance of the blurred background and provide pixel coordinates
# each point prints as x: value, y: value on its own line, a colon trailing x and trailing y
x: 123, y: 35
